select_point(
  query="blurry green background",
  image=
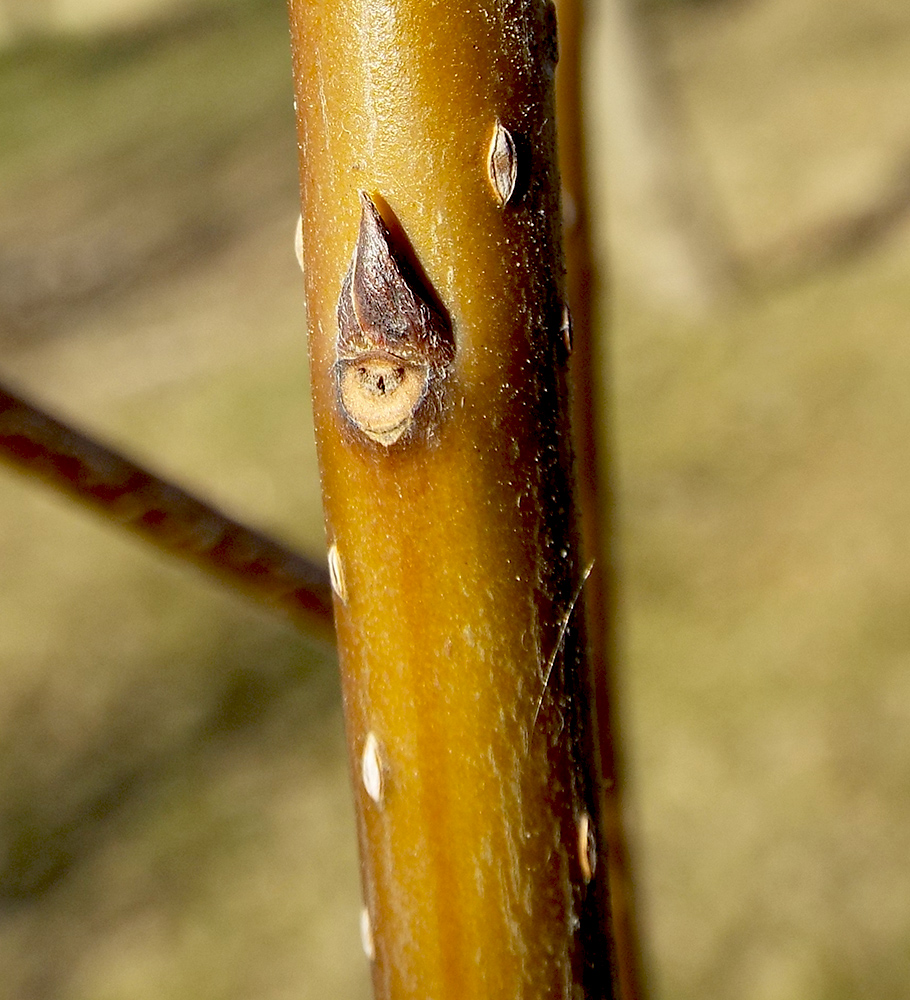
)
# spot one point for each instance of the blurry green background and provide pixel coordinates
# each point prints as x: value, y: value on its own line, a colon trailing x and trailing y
x: 175, y: 821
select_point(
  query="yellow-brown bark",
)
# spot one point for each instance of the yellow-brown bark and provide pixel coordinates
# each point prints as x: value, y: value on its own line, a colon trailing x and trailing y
x: 453, y: 545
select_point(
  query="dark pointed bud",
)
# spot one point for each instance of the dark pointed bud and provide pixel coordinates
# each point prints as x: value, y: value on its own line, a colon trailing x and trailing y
x: 394, y: 340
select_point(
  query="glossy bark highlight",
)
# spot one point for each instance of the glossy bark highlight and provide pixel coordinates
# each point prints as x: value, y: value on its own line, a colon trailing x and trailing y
x: 461, y: 640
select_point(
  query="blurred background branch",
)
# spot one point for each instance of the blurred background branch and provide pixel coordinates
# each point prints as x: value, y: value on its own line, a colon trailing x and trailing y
x: 180, y: 524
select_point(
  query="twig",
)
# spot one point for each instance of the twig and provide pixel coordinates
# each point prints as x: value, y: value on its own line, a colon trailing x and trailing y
x: 162, y: 513
x: 590, y: 427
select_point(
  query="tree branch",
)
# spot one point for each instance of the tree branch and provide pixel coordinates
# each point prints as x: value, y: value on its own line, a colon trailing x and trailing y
x: 590, y: 428
x: 166, y: 515
x: 435, y: 302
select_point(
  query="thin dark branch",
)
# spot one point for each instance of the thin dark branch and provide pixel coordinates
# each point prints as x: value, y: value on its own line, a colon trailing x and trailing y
x: 594, y: 484
x: 162, y: 513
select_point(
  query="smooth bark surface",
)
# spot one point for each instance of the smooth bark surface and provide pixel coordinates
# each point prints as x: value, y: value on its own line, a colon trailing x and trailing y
x: 452, y: 532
